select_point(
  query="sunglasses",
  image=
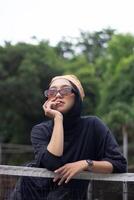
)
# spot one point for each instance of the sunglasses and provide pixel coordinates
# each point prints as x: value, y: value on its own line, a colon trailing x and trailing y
x: 52, y: 92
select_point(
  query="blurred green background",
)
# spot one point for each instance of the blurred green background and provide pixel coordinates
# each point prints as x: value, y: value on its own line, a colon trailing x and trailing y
x: 102, y: 60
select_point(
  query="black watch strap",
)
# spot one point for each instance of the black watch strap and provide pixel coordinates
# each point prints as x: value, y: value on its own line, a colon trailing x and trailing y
x: 90, y: 164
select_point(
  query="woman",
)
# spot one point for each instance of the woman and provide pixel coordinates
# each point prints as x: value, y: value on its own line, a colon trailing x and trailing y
x: 69, y: 144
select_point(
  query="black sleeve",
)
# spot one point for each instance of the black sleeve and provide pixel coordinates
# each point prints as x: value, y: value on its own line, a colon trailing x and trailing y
x: 108, y: 149
x: 43, y: 158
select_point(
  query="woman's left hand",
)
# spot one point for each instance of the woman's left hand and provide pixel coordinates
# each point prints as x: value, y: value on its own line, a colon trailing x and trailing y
x: 66, y: 172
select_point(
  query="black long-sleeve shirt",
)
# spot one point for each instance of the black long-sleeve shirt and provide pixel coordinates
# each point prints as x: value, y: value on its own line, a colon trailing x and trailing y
x: 89, y: 139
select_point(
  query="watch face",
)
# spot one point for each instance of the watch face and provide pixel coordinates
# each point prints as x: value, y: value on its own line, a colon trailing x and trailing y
x: 90, y: 162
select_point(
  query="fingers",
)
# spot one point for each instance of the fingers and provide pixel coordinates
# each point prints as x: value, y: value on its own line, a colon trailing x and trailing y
x: 63, y: 178
x: 49, y: 107
x: 68, y: 178
x: 64, y: 173
x: 49, y: 104
x: 59, y: 170
x: 56, y: 178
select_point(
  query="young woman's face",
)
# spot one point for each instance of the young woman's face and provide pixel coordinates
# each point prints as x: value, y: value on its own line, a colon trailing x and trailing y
x: 61, y: 92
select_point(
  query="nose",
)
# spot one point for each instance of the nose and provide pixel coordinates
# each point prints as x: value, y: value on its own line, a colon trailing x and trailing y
x: 58, y: 94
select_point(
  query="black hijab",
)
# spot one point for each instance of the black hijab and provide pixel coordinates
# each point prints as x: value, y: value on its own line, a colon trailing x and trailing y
x: 72, y: 118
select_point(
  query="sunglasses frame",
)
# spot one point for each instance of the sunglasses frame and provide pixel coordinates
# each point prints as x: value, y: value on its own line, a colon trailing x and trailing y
x: 72, y: 90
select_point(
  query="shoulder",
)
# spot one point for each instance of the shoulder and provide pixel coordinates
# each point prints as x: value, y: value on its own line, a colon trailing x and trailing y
x: 44, y: 124
x: 41, y: 128
x: 96, y: 123
x: 94, y: 120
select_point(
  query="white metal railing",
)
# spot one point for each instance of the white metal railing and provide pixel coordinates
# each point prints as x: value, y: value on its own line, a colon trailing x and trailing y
x: 41, y: 172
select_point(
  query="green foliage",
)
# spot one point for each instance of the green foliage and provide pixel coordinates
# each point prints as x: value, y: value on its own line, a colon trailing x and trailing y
x: 26, y: 70
x: 119, y: 47
x: 119, y: 115
x: 102, y: 60
x: 93, y: 45
x: 120, y: 87
x: 116, y: 106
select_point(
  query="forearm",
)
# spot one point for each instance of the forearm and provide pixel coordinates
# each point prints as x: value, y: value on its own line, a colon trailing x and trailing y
x: 99, y: 167
x: 56, y: 143
x: 67, y: 171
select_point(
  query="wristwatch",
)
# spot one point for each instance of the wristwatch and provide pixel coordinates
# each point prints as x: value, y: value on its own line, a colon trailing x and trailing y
x: 90, y: 164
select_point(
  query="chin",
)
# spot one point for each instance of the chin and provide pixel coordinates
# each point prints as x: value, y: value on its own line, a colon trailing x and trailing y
x: 62, y: 110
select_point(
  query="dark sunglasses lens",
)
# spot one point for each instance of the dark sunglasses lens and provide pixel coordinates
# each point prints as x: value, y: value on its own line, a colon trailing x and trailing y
x: 50, y: 93
x: 66, y: 91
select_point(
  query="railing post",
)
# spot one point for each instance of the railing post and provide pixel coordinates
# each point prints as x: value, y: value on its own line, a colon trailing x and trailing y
x: 125, y: 191
x: 0, y: 153
x: 125, y: 142
x: 90, y: 190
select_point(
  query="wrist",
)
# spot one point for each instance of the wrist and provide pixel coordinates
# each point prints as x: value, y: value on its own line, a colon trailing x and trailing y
x: 89, y: 164
x: 58, y: 116
x: 84, y: 165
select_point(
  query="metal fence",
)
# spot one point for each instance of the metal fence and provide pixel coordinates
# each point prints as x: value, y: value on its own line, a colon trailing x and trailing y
x: 15, y: 154
x: 101, y: 186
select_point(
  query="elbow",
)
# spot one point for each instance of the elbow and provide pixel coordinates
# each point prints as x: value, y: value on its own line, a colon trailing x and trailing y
x: 50, y: 161
x: 52, y: 166
x: 120, y: 167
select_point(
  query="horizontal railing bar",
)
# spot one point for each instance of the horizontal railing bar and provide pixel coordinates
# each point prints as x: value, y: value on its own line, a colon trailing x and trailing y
x: 41, y: 172
x: 17, y: 151
x: 16, y: 147
x: 10, y: 145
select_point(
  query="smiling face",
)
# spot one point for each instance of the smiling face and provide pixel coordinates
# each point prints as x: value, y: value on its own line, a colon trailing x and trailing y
x: 65, y: 99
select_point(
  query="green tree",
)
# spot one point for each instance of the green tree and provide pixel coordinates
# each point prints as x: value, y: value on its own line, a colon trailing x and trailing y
x: 26, y: 70
x: 117, y: 101
x: 93, y: 45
